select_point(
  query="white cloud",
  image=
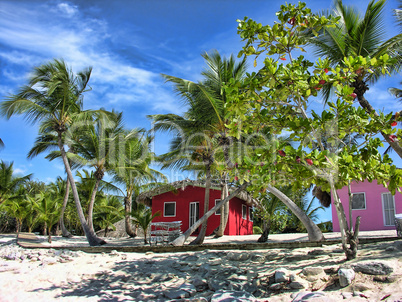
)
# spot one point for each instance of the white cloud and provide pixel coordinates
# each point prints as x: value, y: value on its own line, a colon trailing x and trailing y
x: 19, y: 171
x: 68, y: 9
x: 35, y: 38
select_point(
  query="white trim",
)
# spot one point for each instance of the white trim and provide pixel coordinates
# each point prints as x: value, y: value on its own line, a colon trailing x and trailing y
x: 365, y: 201
x: 189, y: 210
x: 242, y: 207
x: 249, y: 214
x: 383, y: 210
x: 219, y: 208
x: 164, y: 208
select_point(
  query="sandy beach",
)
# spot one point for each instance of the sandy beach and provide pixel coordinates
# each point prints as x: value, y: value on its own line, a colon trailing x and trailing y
x: 46, y: 274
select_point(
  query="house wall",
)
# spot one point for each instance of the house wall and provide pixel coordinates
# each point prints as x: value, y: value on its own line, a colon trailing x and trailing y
x: 236, y: 224
x: 372, y: 218
x: 183, y: 198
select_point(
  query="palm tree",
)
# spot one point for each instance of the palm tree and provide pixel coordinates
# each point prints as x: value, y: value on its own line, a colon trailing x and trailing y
x: 96, y: 148
x: 203, y: 126
x: 132, y: 171
x: 108, y: 211
x: 16, y: 206
x: 143, y: 217
x: 48, y: 207
x: 356, y: 35
x: 9, y: 183
x: 54, y: 97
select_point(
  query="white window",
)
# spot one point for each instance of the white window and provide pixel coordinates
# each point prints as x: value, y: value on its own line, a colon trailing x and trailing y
x: 388, y: 209
x: 244, y: 211
x: 359, y: 201
x: 169, y: 209
x: 218, y: 211
x: 250, y: 214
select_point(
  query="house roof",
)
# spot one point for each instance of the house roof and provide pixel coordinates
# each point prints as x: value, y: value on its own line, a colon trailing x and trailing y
x: 146, y: 197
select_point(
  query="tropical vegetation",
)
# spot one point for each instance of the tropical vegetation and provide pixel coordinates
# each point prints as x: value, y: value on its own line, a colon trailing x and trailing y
x: 253, y: 130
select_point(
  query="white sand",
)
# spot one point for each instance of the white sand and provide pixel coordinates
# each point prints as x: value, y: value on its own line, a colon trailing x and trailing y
x: 120, y: 276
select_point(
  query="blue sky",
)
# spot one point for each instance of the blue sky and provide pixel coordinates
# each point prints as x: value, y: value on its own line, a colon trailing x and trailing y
x: 129, y: 44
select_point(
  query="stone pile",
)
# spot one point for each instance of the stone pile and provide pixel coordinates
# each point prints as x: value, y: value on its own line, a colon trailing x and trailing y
x: 221, y: 276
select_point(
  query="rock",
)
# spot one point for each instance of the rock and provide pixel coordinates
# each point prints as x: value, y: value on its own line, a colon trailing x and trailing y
x: 298, y: 283
x: 361, y: 287
x: 188, y: 287
x: 398, y: 245
x: 317, y: 252
x: 249, y: 288
x: 176, y: 294
x: 296, y: 258
x: 347, y: 295
x: 49, y: 261
x: 258, y: 258
x: 233, y: 296
x: 237, y: 256
x: 191, y: 258
x: 373, y: 268
x: 199, y: 283
x: 391, y: 249
x: 281, y: 275
x: 307, y: 296
x: 216, y: 285
x: 276, y: 286
x: 346, y: 276
x: 215, y: 262
x: 312, y: 271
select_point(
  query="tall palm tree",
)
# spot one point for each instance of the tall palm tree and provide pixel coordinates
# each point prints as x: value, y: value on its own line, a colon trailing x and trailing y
x: 96, y: 148
x: 132, y: 171
x: 47, y: 142
x: 357, y: 35
x: 53, y: 96
x: 203, y: 126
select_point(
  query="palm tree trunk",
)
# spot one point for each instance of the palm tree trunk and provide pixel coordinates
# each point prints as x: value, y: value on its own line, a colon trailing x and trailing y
x: 265, y: 233
x: 314, y: 233
x: 224, y: 210
x: 91, y: 206
x: 347, y: 236
x: 179, y: 241
x: 201, y: 236
x: 127, y: 219
x: 64, y: 231
x: 49, y: 238
x: 360, y: 89
x: 93, y: 240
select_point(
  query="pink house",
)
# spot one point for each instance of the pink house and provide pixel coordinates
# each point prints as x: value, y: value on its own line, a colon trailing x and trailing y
x: 373, y: 202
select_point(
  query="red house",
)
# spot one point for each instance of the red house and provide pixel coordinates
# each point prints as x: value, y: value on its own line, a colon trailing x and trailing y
x: 184, y: 201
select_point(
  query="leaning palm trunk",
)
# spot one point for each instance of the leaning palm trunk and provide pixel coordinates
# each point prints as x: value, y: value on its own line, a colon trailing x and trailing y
x: 360, y: 89
x: 314, y: 233
x: 201, y: 236
x: 64, y: 231
x: 179, y: 241
x: 127, y: 219
x: 91, y: 206
x: 93, y: 240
